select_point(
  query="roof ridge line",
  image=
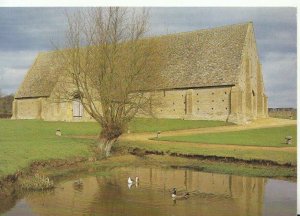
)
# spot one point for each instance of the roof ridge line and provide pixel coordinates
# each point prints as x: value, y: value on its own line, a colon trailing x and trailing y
x: 199, y: 30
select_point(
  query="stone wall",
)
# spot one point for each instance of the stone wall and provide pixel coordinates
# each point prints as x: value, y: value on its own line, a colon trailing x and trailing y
x: 202, y: 103
x: 46, y: 109
x: 214, y: 103
x: 54, y: 111
x: 27, y: 108
x: 287, y: 113
x: 63, y: 111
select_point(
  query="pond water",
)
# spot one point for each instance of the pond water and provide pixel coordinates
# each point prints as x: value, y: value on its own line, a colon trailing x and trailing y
x: 211, y: 194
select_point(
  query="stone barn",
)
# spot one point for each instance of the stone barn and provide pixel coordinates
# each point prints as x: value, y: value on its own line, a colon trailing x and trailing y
x: 213, y: 74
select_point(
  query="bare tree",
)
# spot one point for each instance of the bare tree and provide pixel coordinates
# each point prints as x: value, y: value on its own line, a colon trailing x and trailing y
x: 111, y: 67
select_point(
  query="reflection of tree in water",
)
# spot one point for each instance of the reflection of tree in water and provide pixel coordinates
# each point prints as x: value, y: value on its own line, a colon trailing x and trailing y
x: 109, y: 194
x: 108, y: 188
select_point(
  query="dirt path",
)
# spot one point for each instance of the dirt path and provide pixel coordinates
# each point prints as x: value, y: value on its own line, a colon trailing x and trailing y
x: 261, y: 123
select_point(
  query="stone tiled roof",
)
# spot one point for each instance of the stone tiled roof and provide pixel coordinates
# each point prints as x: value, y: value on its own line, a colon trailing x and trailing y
x: 40, y: 79
x: 209, y: 57
x: 206, y: 57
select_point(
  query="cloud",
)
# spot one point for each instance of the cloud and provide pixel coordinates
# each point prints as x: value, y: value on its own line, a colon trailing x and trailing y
x: 31, y: 28
x: 10, y: 79
x: 17, y: 59
x: 280, y: 79
x: 13, y: 67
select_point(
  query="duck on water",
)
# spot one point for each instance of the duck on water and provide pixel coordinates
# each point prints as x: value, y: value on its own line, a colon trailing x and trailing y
x: 175, y: 196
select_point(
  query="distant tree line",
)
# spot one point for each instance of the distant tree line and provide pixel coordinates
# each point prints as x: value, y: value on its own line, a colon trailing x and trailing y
x: 6, y: 105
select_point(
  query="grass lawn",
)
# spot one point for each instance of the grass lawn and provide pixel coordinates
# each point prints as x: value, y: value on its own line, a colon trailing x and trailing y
x: 255, y: 137
x: 24, y: 141
x: 153, y: 125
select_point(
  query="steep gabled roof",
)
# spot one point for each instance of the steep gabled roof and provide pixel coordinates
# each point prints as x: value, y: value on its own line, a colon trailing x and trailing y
x: 41, y: 78
x: 206, y: 57
x: 209, y: 57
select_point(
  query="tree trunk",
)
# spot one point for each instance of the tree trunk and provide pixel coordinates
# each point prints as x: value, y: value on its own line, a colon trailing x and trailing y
x: 101, y: 144
x: 108, y: 146
x: 108, y: 137
x: 105, y: 146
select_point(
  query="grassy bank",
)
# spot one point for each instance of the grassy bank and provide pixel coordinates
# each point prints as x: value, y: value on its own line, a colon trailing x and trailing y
x: 25, y: 141
x: 104, y: 167
x: 281, y: 157
x: 255, y: 137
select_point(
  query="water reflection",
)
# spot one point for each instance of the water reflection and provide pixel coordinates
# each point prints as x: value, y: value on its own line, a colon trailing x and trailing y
x: 211, y: 194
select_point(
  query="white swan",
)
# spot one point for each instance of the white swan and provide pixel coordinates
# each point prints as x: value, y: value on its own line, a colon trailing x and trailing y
x: 130, y: 181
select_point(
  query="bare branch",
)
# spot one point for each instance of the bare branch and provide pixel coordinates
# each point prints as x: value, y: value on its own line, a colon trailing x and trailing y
x: 110, y: 66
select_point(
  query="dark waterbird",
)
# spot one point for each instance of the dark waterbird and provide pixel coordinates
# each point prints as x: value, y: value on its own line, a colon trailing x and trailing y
x: 179, y: 197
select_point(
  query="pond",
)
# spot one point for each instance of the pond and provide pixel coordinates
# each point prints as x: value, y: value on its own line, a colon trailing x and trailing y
x: 210, y: 194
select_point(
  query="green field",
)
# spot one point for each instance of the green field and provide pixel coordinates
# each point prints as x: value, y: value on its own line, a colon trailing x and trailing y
x: 24, y: 141
x: 153, y: 125
x: 255, y: 137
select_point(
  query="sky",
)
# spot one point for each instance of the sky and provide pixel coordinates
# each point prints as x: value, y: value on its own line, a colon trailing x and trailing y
x: 24, y: 32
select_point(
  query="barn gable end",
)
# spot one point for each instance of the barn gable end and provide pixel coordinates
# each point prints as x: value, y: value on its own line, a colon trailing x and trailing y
x: 248, y: 99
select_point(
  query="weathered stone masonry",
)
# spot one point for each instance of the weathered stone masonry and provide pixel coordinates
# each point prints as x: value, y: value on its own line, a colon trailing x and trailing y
x: 212, y: 74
